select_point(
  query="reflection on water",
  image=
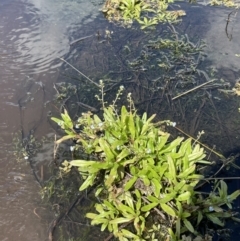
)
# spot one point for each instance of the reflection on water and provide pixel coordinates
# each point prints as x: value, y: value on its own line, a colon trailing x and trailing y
x: 33, y: 34
x: 38, y: 32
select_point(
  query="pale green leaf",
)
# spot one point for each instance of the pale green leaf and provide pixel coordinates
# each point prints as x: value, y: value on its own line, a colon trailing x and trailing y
x: 130, y: 183
x: 184, y: 196
x: 166, y: 208
x: 128, y: 234
x: 88, y: 182
x: 120, y: 220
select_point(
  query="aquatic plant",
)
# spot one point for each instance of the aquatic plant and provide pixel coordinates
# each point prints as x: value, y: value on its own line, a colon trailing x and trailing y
x: 125, y: 11
x: 145, y: 181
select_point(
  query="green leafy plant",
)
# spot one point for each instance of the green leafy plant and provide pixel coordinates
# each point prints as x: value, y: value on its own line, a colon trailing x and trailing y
x: 145, y: 181
x: 128, y: 10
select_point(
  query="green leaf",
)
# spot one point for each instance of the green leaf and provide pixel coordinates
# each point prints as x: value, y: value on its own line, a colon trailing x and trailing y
x: 157, y: 186
x: 179, y: 185
x: 124, y: 153
x: 121, y: 220
x: 200, y: 217
x: 236, y: 219
x: 215, y: 219
x: 99, y: 221
x: 112, y: 175
x: 153, y: 199
x: 224, y: 189
x: 104, y: 225
x: 234, y: 195
x: 109, y: 205
x: 125, y: 209
x: 172, y: 235
x: 171, y: 146
x: 129, y: 199
x: 168, y: 209
x: 91, y: 215
x: 148, y: 207
x: 178, y: 227
x: 97, y: 119
x: 167, y: 197
x: 188, y: 225
x: 162, y: 140
x: 106, y: 148
x: 184, y: 196
x: 124, y: 114
x: 146, y: 125
x: 131, y: 126
x: 130, y: 183
x: 64, y: 138
x: 82, y: 163
x: 187, y: 172
x: 128, y: 234
x: 88, y: 182
x: 172, y: 168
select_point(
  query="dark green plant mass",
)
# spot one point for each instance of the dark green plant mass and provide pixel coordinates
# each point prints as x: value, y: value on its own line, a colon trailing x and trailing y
x: 145, y: 181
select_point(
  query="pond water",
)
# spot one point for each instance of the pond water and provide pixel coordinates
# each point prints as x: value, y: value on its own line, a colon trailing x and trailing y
x: 34, y: 34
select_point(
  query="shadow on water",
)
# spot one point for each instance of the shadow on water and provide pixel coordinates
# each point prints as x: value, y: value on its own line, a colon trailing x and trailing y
x: 34, y: 34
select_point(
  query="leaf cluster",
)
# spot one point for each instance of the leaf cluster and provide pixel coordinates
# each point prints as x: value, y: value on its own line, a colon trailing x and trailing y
x: 140, y: 173
x: 147, y: 13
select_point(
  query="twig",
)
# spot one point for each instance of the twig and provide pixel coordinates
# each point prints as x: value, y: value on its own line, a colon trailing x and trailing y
x: 34, y: 211
x: 197, y: 87
x: 57, y: 220
x: 80, y: 72
x: 80, y: 39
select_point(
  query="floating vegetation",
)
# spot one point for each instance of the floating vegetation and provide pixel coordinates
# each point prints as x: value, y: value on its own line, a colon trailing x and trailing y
x: 147, y: 13
x: 227, y: 3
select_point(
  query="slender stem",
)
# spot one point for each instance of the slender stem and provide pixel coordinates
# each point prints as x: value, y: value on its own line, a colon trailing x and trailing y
x: 80, y: 72
x: 197, y: 87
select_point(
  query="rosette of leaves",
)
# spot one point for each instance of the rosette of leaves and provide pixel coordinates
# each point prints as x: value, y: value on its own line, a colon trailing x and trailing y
x: 144, y: 180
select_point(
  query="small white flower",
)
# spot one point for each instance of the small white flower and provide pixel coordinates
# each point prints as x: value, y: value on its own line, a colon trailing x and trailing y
x: 100, y: 124
x: 72, y: 148
x: 211, y: 209
x: 174, y: 124
x: 60, y: 123
x: 118, y: 148
x: 92, y: 127
x: 148, y: 151
x: 77, y: 126
x: 26, y: 157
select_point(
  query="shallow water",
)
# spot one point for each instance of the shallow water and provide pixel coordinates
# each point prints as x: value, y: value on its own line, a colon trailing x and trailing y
x: 33, y: 35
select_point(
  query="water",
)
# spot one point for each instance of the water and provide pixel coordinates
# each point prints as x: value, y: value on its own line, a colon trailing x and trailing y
x: 34, y: 35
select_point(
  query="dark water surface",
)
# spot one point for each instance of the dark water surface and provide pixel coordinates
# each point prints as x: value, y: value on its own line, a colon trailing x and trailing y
x: 33, y: 35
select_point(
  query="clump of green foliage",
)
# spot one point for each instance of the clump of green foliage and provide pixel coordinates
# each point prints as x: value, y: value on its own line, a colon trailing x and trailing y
x: 227, y: 3
x: 147, y: 13
x: 145, y: 181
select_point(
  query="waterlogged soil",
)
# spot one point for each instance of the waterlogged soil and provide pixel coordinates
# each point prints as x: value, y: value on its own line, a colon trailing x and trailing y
x: 34, y: 35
